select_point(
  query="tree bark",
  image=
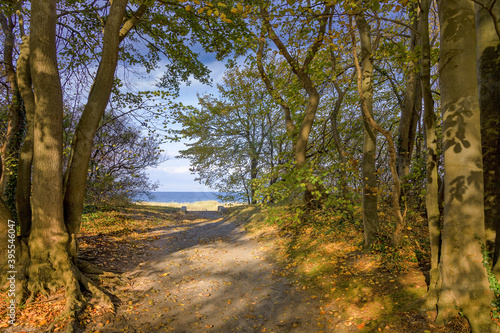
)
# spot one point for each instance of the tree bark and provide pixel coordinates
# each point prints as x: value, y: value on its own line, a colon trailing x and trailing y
x: 464, y: 282
x: 488, y: 69
x: 432, y: 186
x: 4, y: 218
x: 23, y: 190
x: 50, y: 263
x: 411, y: 105
x: 13, y: 138
x: 371, y: 222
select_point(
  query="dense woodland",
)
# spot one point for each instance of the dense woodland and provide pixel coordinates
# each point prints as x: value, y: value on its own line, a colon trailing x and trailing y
x: 332, y: 106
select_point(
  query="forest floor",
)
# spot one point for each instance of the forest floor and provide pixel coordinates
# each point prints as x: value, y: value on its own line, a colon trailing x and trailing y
x: 211, y: 272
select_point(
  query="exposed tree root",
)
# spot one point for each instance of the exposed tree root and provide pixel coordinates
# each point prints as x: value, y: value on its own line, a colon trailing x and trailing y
x: 75, y: 284
x: 87, y: 267
x: 99, y: 293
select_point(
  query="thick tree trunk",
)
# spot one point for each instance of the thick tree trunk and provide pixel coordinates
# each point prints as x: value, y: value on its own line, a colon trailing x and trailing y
x: 369, y: 170
x: 488, y: 69
x: 464, y: 282
x: 432, y: 186
x: 50, y: 263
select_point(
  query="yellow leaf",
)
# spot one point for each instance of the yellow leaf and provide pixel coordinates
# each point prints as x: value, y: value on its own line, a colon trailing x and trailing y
x: 220, y: 4
x: 188, y: 8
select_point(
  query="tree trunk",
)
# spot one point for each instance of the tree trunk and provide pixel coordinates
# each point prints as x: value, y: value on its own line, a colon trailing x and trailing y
x: 411, y: 104
x: 464, y: 282
x: 23, y: 190
x: 50, y: 263
x: 432, y: 186
x: 4, y: 226
x: 488, y: 69
x: 254, y: 162
x: 13, y: 138
x: 301, y: 143
x: 370, y: 186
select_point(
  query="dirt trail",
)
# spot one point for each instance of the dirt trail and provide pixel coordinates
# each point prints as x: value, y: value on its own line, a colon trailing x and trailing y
x: 207, y: 275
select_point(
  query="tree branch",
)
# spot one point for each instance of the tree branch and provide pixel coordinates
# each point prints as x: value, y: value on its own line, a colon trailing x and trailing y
x: 132, y: 22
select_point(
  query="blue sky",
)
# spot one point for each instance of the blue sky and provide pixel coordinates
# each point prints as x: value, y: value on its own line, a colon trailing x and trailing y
x: 173, y: 174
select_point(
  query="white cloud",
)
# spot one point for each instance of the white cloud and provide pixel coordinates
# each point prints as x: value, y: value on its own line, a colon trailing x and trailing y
x: 174, y: 169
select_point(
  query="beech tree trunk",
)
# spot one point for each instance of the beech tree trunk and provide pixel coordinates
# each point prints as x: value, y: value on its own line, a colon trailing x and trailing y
x: 488, y: 69
x: 432, y: 186
x: 370, y: 185
x: 464, y: 282
x: 50, y: 262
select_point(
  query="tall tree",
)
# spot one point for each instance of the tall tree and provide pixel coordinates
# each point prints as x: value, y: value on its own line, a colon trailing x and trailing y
x: 301, y: 65
x: 432, y: 188
x: 51, y: 265
x: 232, y: 132
x: 412, y: 99
x: 76, y: 173
x: 12, y: 140
x: 371, y: 221
x: 464, y: 282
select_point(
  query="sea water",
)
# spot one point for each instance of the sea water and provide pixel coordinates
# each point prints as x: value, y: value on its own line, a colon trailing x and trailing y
x: 179, y: 197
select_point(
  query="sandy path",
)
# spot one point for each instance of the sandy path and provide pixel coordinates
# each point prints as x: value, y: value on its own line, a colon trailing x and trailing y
x: 208, y: 275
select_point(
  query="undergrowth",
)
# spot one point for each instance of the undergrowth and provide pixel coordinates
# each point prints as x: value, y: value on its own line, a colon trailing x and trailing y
x: 324, y: 250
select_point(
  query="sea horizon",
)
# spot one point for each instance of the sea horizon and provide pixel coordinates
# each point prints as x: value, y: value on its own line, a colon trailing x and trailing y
x: 181, y: 196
